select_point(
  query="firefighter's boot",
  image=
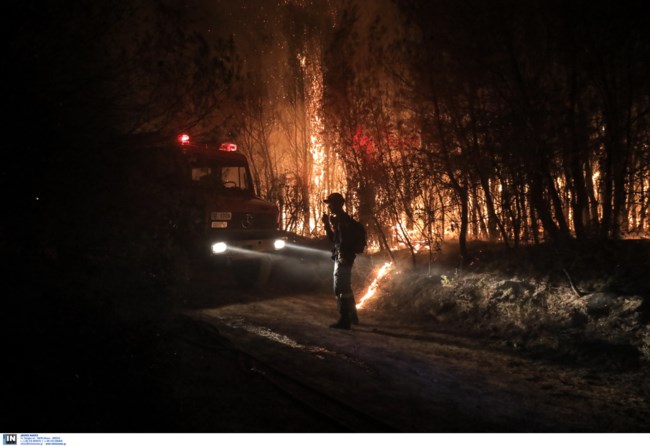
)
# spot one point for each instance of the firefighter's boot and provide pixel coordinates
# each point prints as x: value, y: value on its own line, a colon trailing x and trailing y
x: 352, y: 307
x: 343, y: 305
x: 354, y: 317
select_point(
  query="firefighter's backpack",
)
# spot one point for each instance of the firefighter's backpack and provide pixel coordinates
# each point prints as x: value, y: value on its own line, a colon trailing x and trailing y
x: 359, y: 237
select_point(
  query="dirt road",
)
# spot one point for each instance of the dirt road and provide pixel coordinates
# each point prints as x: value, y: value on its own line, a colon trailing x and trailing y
x: 411, y: 379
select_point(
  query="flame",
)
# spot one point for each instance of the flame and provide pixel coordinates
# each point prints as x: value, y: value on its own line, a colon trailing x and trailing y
x: 316, y: 147
x: 372, y: 289
x: 318, y: 166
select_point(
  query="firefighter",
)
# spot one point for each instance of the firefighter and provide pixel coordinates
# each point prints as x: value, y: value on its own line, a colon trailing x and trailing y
x: 337, y: 226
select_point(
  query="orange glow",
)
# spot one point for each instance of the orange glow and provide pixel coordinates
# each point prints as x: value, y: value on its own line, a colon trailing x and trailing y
x: 372, y: 289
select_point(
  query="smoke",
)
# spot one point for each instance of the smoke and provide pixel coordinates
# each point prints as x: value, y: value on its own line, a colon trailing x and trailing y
x: 302, y: 269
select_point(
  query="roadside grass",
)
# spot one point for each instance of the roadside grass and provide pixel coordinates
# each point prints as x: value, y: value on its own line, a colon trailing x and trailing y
x: 584, y: 303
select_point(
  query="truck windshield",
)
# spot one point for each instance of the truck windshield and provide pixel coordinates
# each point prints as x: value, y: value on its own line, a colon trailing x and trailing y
x: 222, y: 177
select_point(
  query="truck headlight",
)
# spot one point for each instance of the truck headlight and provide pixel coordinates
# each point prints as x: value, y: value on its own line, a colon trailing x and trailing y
x: 219, y: 248
x: 279, y: 244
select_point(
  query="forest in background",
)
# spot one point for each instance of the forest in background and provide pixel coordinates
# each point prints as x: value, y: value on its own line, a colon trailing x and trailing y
x: 509, y: 121
x: 517, y: 122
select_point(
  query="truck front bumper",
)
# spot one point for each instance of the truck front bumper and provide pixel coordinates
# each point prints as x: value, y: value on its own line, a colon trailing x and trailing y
x: 247, y: 247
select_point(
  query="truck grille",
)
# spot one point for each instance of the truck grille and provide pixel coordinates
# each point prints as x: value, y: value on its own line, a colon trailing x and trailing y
x: 252, y: 221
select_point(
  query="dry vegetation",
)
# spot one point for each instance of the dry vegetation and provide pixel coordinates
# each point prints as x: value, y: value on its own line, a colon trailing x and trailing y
x: 524, y: 299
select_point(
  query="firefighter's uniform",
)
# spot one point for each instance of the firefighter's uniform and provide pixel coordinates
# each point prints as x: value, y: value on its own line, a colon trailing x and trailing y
x: 338, y: 229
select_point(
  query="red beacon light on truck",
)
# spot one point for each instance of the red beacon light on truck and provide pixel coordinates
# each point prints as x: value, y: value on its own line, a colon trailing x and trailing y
x: 184, y: 139
x: 228, y: 147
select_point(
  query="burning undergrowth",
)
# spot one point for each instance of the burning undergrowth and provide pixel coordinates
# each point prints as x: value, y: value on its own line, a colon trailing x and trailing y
x: 532, y: 310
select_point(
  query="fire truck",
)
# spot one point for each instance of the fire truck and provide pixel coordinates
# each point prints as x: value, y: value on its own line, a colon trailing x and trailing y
x: 237, y: 228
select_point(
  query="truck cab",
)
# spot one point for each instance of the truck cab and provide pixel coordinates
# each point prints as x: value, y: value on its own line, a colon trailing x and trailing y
x: 237, y: 225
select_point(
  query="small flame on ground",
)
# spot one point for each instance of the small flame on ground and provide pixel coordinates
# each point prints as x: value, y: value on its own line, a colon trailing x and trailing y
x: 372, y: 289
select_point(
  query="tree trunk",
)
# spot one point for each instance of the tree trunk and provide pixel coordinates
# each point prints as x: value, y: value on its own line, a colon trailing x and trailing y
x: 516, y: 220
x: 479, y: 229
x: 563, y: 227
x: 580, y: 201
x: 493, y: 220
x: 463, y: 195
x: 306, y: 207
x: 591, y: 195
x: 606, y: 171
x: 619, y: 214
x: 542, y: 207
